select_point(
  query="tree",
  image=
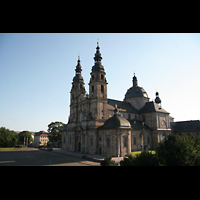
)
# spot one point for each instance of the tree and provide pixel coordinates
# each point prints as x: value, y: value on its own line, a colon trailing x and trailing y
x: 179, y: 151
x: 8, y: 138
x: 145, y: 158
x: 55, y: 131
x: 108, y: 162
x: 25, y: 134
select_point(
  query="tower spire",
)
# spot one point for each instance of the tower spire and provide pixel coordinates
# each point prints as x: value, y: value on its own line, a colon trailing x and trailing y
x: 135, y: 82
x: 97, y: 58
x: 78, y: 77
x: 157, y: 99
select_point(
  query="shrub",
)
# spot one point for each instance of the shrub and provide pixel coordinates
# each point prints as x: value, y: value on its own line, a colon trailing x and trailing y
x: 144, y: 159
x: 179, y: 151
x: 108, y: 162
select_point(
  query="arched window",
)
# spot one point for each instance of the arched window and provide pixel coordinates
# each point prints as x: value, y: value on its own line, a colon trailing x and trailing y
x: 102, y: 88
x: 108, y: 142
x: 137, y: 104
x: 163, y: 122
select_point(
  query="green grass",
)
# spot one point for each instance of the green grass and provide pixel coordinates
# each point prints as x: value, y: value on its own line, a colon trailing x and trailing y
x: 10, y: 148
x: 134, y: 153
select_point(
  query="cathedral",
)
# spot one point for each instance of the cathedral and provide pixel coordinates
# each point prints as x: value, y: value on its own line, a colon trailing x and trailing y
x: 103, y: 126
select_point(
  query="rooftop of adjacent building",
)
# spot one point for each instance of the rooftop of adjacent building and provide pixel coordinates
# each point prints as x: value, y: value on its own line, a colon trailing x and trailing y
x: 192, y: 125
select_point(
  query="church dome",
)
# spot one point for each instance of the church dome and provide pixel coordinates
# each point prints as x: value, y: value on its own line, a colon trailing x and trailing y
x: 116, y: 121
x: 136, y: 92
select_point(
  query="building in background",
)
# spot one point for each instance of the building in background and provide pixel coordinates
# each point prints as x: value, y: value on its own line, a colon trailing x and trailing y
x: 185, y: 128
x: 41, y: 138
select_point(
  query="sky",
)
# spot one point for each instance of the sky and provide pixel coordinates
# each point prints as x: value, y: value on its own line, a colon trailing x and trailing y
x: 37, y: 70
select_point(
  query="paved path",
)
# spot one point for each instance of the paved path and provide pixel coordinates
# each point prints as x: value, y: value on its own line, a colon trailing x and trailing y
x: 97, y: 158
x: 35, y: 157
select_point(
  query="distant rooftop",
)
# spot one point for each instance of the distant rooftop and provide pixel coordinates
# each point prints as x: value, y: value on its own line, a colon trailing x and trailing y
x: 193, y: 125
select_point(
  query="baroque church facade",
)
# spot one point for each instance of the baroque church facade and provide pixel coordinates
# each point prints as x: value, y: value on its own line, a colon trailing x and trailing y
x: 99, y: 125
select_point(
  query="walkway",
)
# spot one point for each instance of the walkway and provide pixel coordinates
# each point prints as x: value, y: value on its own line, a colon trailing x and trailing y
x: 97, y: 158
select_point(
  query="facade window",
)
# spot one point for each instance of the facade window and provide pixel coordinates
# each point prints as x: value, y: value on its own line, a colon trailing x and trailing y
x: 129, y: 116
x: 93, y: 88
x: 102, y: 88
x: 137, y: 104
x: 163, y: 122
x: 101, y: 76
x: 80, y: 117
x: 108, y: 142
x: 92, y: 77
x: 134, y: 140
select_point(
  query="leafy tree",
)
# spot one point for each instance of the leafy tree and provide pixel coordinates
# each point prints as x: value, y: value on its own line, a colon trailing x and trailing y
x: 108, y: 162
x: 8, y: 138
x: 25, y: 134
x: 145, y: 158
x: 55, y: 131
x: 179, y: 151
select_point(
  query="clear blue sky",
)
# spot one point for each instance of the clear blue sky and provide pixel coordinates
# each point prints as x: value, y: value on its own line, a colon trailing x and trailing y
x: 37, y: 71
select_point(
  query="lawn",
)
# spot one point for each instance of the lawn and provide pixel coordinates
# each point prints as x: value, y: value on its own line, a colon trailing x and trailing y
x: 134, y: 153
x: 10, y: 148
